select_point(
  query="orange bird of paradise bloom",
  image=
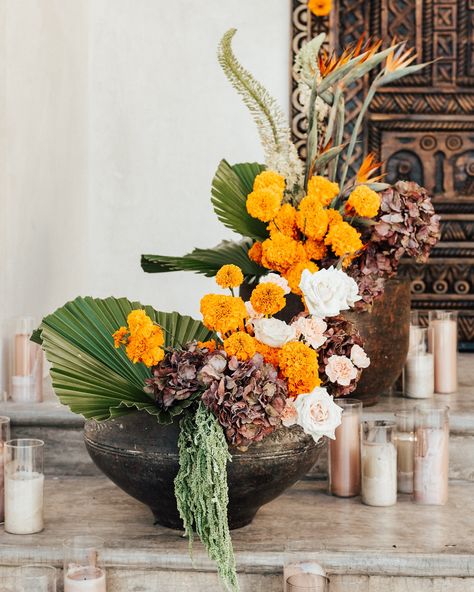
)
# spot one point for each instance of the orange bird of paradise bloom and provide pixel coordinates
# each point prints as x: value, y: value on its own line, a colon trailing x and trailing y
x: 327, y: 63
x: 367, y: 169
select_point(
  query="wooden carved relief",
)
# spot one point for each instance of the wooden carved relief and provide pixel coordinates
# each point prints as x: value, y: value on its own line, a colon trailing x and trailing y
x: 422, y: 127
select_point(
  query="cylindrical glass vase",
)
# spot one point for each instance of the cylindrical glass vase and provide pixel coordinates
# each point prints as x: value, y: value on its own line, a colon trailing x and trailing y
x: 405, y: 450
x: 307, y: 582
x: 430, y: 480
x: 379, y: 463
x: 24, y: 481
x: 4, y: 437
x: 344, y: 451
x: 83, y: 567
x: 26, y: 364
x: 443, y: 332
x: 36, y: 578
x: 418, y: 373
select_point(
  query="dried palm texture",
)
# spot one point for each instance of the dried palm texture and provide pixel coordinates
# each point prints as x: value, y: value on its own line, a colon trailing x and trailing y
x: 340, y: 335
x: 246, y: 397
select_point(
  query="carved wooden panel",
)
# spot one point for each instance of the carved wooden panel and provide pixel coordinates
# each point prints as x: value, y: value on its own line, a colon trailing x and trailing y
x: 422, y: 127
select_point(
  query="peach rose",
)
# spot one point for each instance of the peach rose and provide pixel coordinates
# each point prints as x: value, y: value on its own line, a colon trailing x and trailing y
x: 359, y: 357
x: 312, y: 329
x: 289, y: 415
x: 341, y: 370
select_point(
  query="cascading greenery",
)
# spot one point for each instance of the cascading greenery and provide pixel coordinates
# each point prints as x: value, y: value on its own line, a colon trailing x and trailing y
x: 201, y: 489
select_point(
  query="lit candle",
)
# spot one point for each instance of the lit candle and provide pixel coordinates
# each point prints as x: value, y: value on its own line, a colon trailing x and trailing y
x: 444, y: 345
x: 431, y: 455
x: 379, y: 464
x: 24, y: 483
x: 27, y: 367
x: 84, y: 579
x: 344, y: 451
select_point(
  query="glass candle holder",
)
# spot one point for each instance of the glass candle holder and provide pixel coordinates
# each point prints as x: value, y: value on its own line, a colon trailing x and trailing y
x: 307, y: 582
x: 430, y: 479
x: 443, y: 332
x: 26, y: 364
x: 36, y: 578
x: 344, y: 451
x: 4, y: 437
x: 418, y: 373
x: 24, y: 482
x: 405, y: 450
x: 379, y: 463
x: 83, y: 567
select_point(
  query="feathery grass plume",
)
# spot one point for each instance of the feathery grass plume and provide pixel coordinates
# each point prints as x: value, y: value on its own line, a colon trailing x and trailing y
x: 273, y: 128
x: 201, y: 489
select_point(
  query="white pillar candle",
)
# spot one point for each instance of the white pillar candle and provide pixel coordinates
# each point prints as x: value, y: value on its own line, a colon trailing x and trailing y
x: 379, y: 473
x: 84, y: 579
x: 405, y: 461
x: 444, y: 345
x: 431, y: 465
x: 419, y: 376
x: 23, y: 502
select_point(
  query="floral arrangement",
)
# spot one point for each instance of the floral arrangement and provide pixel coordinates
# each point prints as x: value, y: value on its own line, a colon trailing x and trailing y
x: 253, y: 366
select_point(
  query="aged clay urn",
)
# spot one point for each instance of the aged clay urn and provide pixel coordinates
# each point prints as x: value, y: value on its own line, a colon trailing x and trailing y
x: 141, y: 457
x: 384, y: 330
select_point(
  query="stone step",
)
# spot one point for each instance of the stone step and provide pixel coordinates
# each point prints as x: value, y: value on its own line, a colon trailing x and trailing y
x: 66, y: 454
x: 363, y: 549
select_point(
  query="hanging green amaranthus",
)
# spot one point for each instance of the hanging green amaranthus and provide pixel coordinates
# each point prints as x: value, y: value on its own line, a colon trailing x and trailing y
x: 201, y: 489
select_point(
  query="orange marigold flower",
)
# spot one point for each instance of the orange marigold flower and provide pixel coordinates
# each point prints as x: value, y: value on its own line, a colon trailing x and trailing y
x: 241, y: 345
x: 299, y: 365
x: 334, y: 217
x: 264, y: 203
x: 255, y: 253
x: 209, y: 345
x: 269, y: 179
x: 322, y: 189
x: 119, y: 336
x: 364, y: 201
x: 138, y: 320
x: 320, y: 7
x: 293, y: 275
x: 223, y: 313
x: 284, y: 221
x: 229, y: 276
x: 268, y: 298
x: 271, y: 355
x: 315, y: 249
x: 280, y: 252
x: 311, y: 218
x: 343, y: 239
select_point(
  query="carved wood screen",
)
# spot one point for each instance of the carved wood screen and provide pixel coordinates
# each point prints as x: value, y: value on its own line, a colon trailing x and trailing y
x: 422, y: 127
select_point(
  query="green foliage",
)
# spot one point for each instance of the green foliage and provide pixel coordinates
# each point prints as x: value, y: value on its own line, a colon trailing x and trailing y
x: 230, y: 188
x: 270, y: 119
x: 92, y: 377
x: 207, y: 261
x: 201, y: 489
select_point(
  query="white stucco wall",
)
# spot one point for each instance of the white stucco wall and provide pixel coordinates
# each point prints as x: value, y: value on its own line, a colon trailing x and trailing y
x: 113, y: 117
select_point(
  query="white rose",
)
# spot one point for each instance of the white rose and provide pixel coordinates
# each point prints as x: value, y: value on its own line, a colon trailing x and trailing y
x: 359, y: 357
x: 318, y: 415
x: 328, y: 291
x: 274, y: 278
x: 273, y: 332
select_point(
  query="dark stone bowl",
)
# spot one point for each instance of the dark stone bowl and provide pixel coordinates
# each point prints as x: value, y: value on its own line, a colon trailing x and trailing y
x: 141, y: 457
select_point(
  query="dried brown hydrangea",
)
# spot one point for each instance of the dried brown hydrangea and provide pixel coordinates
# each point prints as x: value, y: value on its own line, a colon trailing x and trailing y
x: 341, y: 335
x: 246, y: 397
x: 407, y: 226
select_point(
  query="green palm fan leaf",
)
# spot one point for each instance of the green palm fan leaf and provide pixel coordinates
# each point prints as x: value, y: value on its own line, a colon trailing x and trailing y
x: 207, y: 261
x: 89, y: 374
x: 230, y: 188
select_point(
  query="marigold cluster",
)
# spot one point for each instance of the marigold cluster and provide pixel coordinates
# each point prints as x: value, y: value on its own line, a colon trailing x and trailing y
x: 343, y: 239
x: 364, y: 201
x: 284, y: 222
x: 229, y: 276
x: 315, y: 249
x: 312, y: 219
x: 280, y: 252
x: 143, y: 339
x: 322, y: 190
x: 271, y: 355
x: 269, y: 179
x: 268, y: 298
x: 320, y: 7
x: 241, y: 345
x: 299, y: 365
x: 255, y: 253
x: 264, y: 203
x: 223, y: 314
